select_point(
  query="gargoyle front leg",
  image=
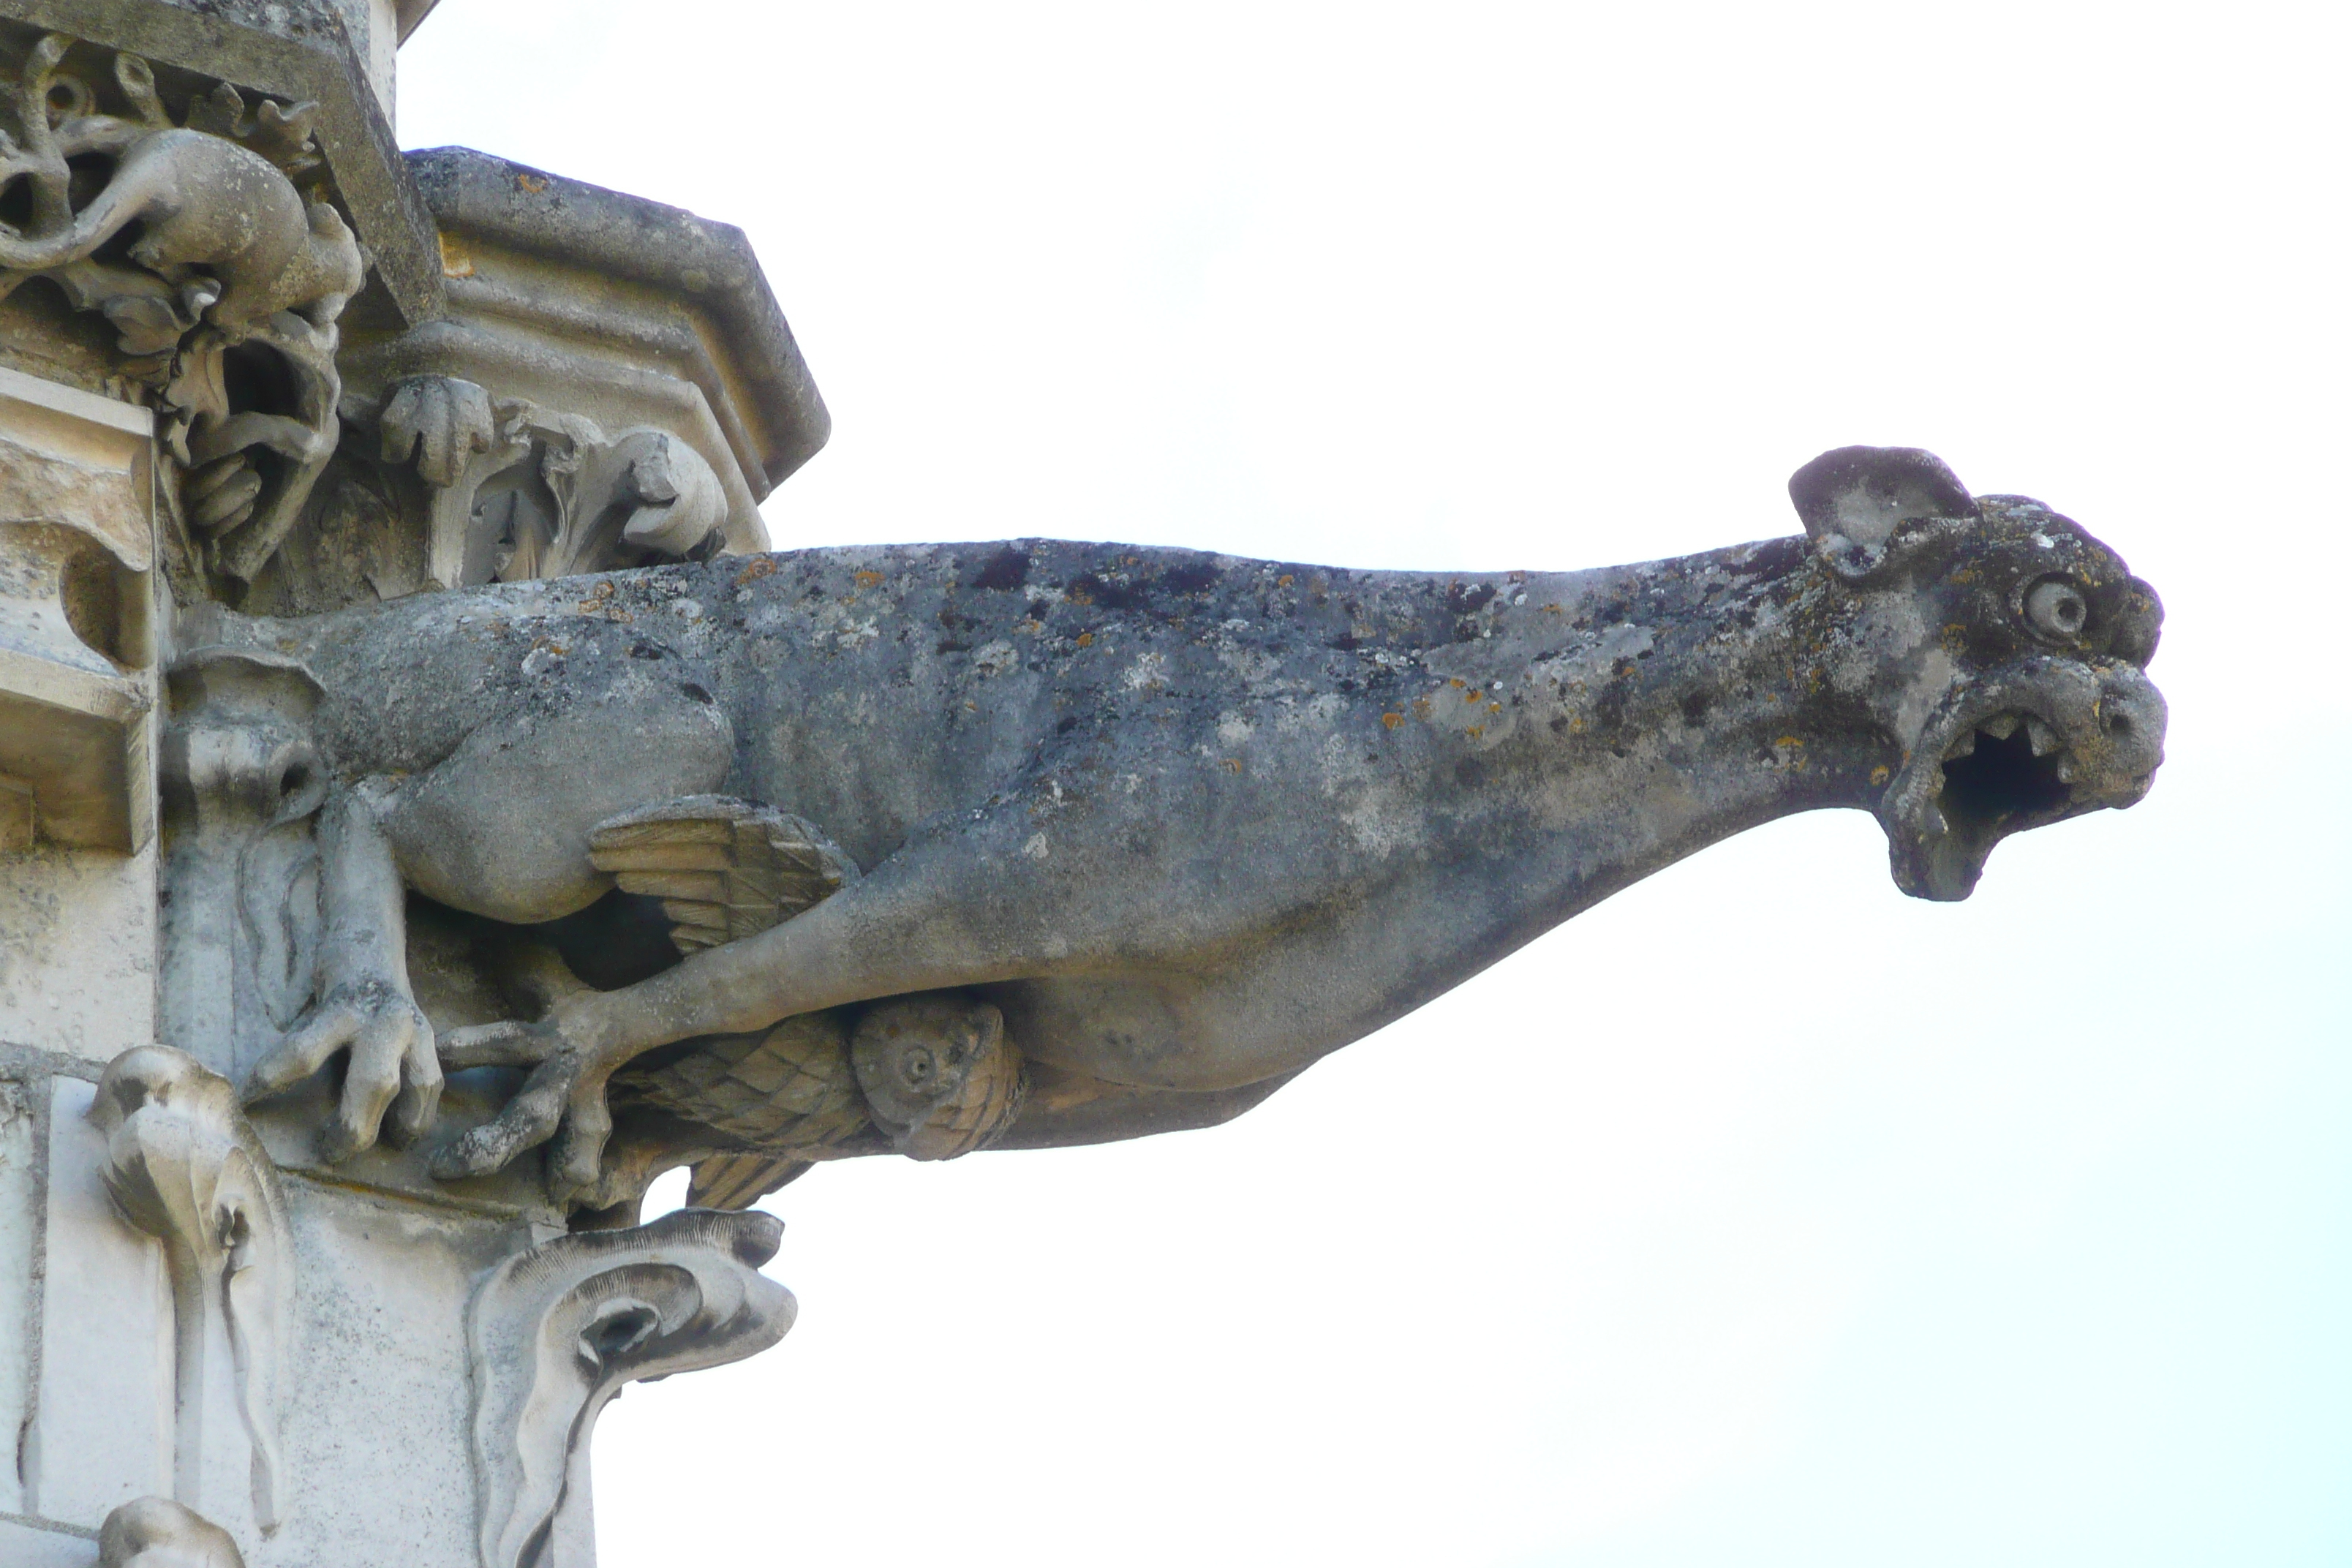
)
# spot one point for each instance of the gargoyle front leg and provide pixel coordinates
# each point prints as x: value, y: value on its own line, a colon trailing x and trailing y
x: 363, y: 1002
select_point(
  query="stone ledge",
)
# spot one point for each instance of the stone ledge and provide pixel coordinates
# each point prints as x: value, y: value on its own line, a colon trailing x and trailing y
x: 590, y: 231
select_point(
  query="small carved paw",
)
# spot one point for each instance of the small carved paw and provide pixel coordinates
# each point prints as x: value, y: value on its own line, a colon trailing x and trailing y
x: 393, y: 1066
x: 439, y: 423
x: 563, y: 1099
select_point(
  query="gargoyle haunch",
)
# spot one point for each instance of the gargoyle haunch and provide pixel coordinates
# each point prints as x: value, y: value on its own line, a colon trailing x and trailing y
x: 1043, y: 844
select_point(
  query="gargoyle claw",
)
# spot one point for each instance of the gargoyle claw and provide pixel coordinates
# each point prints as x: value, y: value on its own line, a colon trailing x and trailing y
x: 563, y: 1100
x: 393, y: 1066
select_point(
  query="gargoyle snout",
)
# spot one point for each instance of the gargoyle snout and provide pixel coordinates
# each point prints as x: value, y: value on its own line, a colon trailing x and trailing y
x: 2040, y: 741
x: 2122, y: 742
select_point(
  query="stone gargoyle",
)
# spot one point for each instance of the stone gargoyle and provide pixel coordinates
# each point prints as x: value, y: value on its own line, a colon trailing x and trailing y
x: 1042, y: 843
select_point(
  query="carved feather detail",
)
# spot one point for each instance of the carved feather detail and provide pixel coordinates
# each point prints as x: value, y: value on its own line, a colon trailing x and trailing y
x: 723, y: 868
x: 791, y: 1086
x: 738, y: 1180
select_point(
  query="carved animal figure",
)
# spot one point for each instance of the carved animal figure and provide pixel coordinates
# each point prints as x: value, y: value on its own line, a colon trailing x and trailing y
x: 206, y: 204
x: 1186, y: 823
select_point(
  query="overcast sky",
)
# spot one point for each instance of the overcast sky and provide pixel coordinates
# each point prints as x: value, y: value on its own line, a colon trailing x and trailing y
x: 1760, y: 1215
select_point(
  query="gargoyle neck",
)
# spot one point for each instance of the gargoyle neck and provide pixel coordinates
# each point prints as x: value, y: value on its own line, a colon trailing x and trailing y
x: 1659, y: 708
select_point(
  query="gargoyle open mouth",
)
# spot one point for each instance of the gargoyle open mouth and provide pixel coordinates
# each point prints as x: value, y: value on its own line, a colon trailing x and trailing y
x: 2004, y: 772
x: 2020, y: 756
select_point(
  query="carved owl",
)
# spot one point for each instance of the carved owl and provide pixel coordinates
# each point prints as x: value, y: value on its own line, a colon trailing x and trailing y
x: 931, y: 1077
x: 940, y: 1075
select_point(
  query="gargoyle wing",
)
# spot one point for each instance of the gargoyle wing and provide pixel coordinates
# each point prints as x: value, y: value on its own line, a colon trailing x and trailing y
x: 723, y: 868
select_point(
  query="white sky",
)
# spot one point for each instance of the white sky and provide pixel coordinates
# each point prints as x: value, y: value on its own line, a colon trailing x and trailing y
x: 1762, y: 1215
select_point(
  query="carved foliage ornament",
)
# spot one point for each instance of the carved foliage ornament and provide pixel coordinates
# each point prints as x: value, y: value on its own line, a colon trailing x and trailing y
x: 224, y: 303
x: 184, y: 1166
x: 554, y: 1333
x: 520, y: 492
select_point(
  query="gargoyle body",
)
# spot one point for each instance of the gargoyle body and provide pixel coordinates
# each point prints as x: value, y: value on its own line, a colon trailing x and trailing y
x: 1186, y: 823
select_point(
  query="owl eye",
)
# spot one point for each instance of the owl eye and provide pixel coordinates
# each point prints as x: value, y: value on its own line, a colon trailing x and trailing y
x: 2056, y: 608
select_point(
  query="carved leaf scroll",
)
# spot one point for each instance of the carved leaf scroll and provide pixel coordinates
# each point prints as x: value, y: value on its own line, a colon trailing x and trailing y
x: 521, y: 492
x: 184, y: 1167
x: 555, y: 1331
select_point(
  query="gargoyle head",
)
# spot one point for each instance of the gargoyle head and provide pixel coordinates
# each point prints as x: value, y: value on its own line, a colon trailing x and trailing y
x: 2009, y: 651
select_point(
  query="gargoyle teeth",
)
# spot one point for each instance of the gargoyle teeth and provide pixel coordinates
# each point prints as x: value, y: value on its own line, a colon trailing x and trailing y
x: 1965, y: 746
x: 2065, y: 770
x: 2043, y: 738
x: 2000, y: 726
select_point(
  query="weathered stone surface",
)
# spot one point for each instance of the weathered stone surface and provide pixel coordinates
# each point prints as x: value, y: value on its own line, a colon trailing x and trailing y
x: 77, y: 951
x: 225, y: 300
x: 379, y: 1422
x: 215, y: 1349
x: 156, y: 1532
x: 26, y: 1545
x: 19, y: 1219
x: 621, y: 267
x: 1191, y: 822
x: 183, y: 1167
x: 101, y: 1435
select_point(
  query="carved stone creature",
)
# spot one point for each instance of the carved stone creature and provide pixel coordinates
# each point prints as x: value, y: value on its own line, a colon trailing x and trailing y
x: 1188, y: 823
x: 519, y: 492
x: 227, y: 253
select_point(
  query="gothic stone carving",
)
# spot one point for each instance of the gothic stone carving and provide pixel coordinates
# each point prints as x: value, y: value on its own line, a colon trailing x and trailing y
x: 554, y: 1333
x: 156, y: 1532
x: 183, y: 1167
x: 225, y: 302
x: 243, y: 785
x: 1189, y: 822
x: 519, y: 492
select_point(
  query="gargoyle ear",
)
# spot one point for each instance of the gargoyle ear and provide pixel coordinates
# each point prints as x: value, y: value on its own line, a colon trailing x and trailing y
x: 1854, y: 498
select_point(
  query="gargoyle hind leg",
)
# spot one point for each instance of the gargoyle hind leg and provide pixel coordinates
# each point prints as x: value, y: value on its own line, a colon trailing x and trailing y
x: 935, y: 916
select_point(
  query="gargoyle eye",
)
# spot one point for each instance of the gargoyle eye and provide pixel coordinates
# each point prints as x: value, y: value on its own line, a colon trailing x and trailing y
x: 2055, y: 608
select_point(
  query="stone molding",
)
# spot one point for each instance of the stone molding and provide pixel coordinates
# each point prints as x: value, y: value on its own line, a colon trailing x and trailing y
x: 555, y: 1331
x: 703, y: 274
x: 243, y: 782
x: 76, y: 617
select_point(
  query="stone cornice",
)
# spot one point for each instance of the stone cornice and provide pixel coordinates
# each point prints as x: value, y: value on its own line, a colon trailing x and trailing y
x: 479, y: 198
